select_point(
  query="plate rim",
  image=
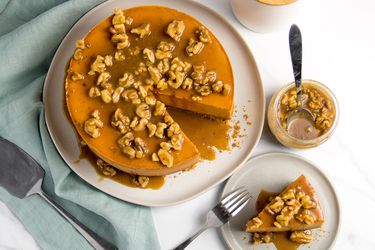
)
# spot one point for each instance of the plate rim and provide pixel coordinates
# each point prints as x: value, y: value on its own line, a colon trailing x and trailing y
x: 299, y: 157
x: 257, y: 76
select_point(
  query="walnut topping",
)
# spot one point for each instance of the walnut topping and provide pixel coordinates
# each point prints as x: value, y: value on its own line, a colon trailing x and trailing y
x: 127, y: 80
x: 159, y: 109
x: 77, y: 76
x: 126, y: 140
x: 143, y: 111
x: 226, y: 89
x: 148, y: 55
x: 154, y: 73
x: 259, y: 238
x: 140, y: 147
x: 80, y: 44
x: 163, y: 66
x: 194, y: 47
x: 108, y: 60
x: 103, y: 78
x: 155, y: 157
x: 129, y: 152
x: 176, y: 141
x: 162, y: 84
x: 164, y: 50
x: 275, y: 206
x: 160, y: 130
x: 165, y: 157
x: 105, y: 168
x: 119, y: 56
x: 150, y: 100
x: 173, y: 129
x: 166, y: 145
x: 288, y: 195
x: 168, y: 119
x: 98, y: 66
x: 94, y: 92
x: 141, y: 125
x: 196, y: 98
x: 143, y: 30
x: 203, y: 34
x: 141, y: 181
x: 283, y: 220
x: 119, y: 17
x: 203, y: 90
x: 78, y: 54
x: 120, y: 121
x: 106, y: 95
x: 151, y: 129
x: 129, y: 94
x: 93, y: 125
x: 175, y: 29
x: 302, y: 237
x: 218, y: 86
x: 254, y: 223
x: 116, y: 94
x: 187, y: 83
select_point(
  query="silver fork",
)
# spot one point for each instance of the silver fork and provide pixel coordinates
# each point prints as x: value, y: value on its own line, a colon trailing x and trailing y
x: 226, y: 209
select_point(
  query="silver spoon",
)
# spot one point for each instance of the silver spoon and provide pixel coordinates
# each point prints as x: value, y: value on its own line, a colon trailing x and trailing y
x: 295, y: 46
x: 22, y: 177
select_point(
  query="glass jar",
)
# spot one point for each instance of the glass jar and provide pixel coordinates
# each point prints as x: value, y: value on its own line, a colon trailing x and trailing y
x: 282, y: 134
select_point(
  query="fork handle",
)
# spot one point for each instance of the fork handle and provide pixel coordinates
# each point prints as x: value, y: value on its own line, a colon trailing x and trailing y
x: 95, y: 240
x: 184, y: 244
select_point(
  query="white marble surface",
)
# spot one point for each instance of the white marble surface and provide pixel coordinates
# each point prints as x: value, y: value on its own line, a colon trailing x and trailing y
x: 339, y: 50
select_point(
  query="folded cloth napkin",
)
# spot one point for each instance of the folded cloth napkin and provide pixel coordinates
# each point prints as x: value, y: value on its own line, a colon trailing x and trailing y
x: 30, y: 32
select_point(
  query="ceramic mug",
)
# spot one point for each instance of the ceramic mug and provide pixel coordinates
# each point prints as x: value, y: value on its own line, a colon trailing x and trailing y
x: 267, y: 15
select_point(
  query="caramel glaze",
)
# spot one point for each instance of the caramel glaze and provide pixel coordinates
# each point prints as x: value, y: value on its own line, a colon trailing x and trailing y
x: 281, y: 239
x: 204, y: 132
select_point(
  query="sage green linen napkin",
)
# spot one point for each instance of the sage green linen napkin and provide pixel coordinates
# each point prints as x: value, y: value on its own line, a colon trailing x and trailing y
x: 30, y: 32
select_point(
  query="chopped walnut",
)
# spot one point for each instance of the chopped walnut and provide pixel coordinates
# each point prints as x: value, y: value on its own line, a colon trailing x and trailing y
x: 175, y: 29
x: 166, y: 145
x: 129, y: 152
x: 140, y: 147
x: 159, y: 109
x: 77, y: 76
x: 120, y: 121
x: 143, y: 30
x: 106, y: 95
x: 103, y: 78
x: 155, y: 157
x: 150, y: 100
x: 141, y: 181
x: 127, y: 80
x: 93, y: 125
x: 119, y: 56
x: 143, y: 111
x: 78, y: 54
x: 108, y: 60
x: 94, y: 92
x: 162, y: 84
x: 173, y: 129
x: 105, y: 168
x: 226, y: 89
x: 209, y: 77
x: 129, y: 94
x: 177, y: 141
x: 126, y: 140
x: 163, y: 66
x: 203, y: 34
x: 168, y: 119
x: 275, y: 206
x: 97, y: 66
x: 80, y: 44
x: 119, y: 17
x: 187, y: 83
x: 218, y: 86
x: 165, y: 157
x: 148, y: 55
x: 151, y: 129
x: 164, y: 50
x: 116, y: 94
x: 288, y: 195
x: 283, y: 220
x: 128, y: 20
x: 259, y: 238
x: 254, y: 223
x: 194, y: 47
x: 142, y: 92
x: 154, y: 73
x: 160, y: 130
x: 302, y: 237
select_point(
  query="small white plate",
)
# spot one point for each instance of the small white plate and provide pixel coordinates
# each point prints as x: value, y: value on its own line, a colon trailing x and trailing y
x: 273, y: 172
x: 249, y: 98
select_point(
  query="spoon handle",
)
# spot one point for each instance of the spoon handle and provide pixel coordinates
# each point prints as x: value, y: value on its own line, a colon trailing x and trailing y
x: 95, y: 240
x: 295, y: 46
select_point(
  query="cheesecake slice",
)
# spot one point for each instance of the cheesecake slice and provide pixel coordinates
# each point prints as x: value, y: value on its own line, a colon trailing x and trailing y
x: 296, y: 208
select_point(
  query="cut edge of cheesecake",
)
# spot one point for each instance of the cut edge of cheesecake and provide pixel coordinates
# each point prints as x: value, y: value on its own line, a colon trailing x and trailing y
x: 296, y: 208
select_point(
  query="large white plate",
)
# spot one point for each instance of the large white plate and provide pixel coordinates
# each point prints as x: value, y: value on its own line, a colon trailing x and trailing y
x: 249, y: 96
x: 273, y: 172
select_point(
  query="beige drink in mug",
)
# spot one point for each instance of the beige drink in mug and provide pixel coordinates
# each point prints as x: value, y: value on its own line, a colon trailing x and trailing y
x: 267, y: 15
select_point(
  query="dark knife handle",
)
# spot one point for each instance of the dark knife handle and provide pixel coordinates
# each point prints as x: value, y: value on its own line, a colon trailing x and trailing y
x: 295, y: 46
x: 95, y: 240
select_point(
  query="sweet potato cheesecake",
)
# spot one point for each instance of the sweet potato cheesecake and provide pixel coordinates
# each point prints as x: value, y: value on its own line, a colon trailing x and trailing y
x: 128, y: 69
x: 296, y: 210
